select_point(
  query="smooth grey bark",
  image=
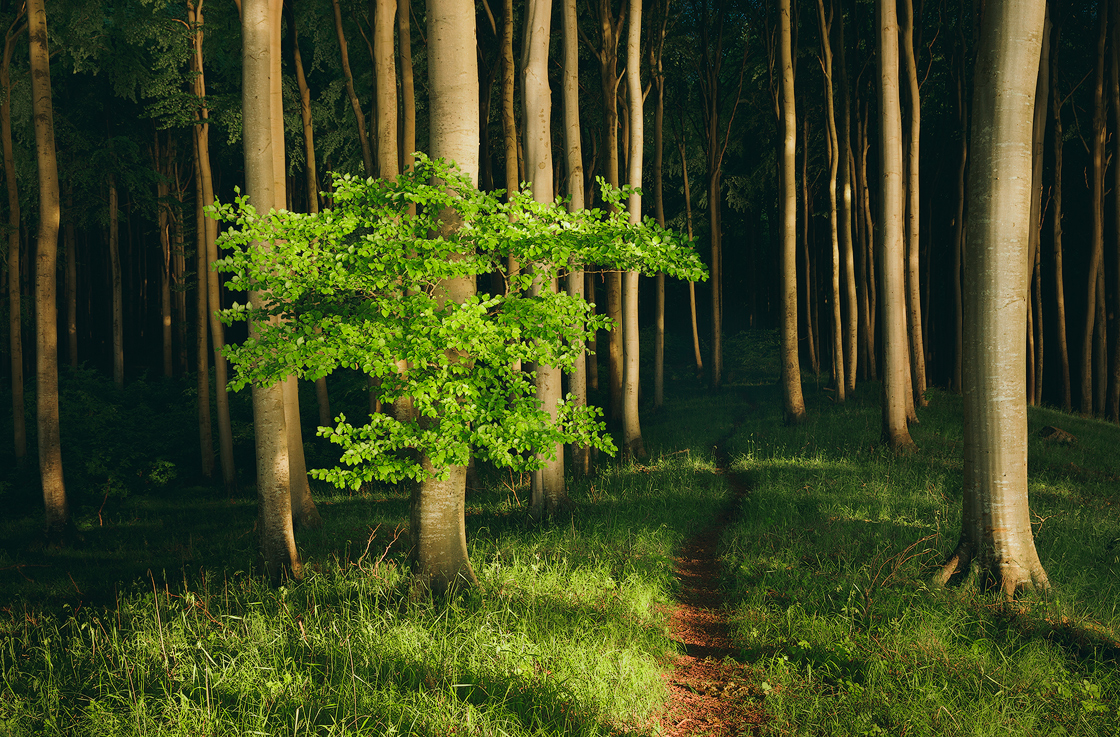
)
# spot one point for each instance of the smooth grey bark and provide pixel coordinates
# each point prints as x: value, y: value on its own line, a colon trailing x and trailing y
x: 891, y: 235
x: 996, y: 527
x: 631, y: 422
x: 202, y: 366
x: 15, y: 323
x: 791, y: 369
x: 1096, y: 208
x: 262, y: 109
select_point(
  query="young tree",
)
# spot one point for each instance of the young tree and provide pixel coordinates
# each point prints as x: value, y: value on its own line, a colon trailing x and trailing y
x: 791, y: 369
x: 996, y: 526
x: 913, y: 202
x: 59, y: 524
x: 1096, y: 208
x: 896, y: 383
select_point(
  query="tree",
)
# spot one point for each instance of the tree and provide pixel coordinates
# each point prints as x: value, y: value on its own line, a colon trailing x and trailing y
x: 913, y: 206
x: 896, y: 381
x: 15, y: 327
x: 996, y: 527
x: 838, y: 366
x: 1093, y: 299
x: 547, y: 485
x: 364, y: 284
x: 573, y: 157
x: 262, y: 113
x: 59, y: 525
x: 631, y: 426
x: 791, y: 369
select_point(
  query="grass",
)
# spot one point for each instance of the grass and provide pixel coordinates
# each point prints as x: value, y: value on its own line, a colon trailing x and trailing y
x: 830, y: 565
x: 157, y: 624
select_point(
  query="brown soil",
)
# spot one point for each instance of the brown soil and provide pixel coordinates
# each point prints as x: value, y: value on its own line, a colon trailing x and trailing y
x: 710, y: 692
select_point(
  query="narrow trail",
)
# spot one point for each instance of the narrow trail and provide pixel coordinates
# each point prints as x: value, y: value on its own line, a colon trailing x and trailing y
x: 710, y: 692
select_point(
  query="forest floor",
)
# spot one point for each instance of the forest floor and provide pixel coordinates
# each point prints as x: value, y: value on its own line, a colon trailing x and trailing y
x: 748, y: 578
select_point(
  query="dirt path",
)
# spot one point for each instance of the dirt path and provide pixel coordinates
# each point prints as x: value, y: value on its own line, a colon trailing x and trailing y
x: 711, y: 693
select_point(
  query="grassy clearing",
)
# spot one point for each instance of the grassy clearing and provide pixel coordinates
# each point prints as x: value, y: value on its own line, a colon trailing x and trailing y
x: 830, y: 563
x: 157, y: 625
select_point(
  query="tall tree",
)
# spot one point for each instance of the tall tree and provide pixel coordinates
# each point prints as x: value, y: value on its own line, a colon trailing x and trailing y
x: 573, y: 157
x: 15, y: 326
x: 847, y: 167
x: 547, y: 485
x: 1038, y: 150
x: 439, y: 505
x: 913, y: 202
x: 1096, y: 209
x: 657, y: 71
x: 59, y: 524
x: 838, y: 366
x: 202, y: 367
x: 891, y: 234
x: 115, y: 281
x: 631, y: 426
x: 996, y: 527
x: 1056, y: 103
x: 213, y: 283
x: 791, y: 369
x: 261, y: 110
x: 355, y: 103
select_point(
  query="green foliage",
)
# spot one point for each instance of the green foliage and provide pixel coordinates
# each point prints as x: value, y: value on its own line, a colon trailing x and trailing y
x: 365, y: 285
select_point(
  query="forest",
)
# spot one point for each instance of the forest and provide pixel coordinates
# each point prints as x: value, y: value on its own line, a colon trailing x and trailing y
x: 677, y: 367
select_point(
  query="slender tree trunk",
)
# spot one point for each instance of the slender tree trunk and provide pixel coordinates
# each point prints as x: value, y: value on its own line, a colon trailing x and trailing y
x: 996, y: 526
x: 593, y: 342
x: 573, y: 157
x: 260, y: 30
x: 851, y: 351
x: 71, y: 245
x: 691, y: 284
x: 355, y: 104
x: 438, y: 507
x: 547, y: 487
x: 213, y: 284
x: 59, y: 525
x: 115, y: 286
x: 631, y: 424
x: 838, y: 367
x: 791, y: 370
x: 1059, y: 281
x: 202, y: 368
x: 1096, y: 205
x: 15, y: 324
x: 913, y: 212
x: 386, y: 78
x: 807, y: 292
x: 959, y: 221
x: 659, y: 206
x: 871, y: 277
x: 163, y: 191
x: 1114, y: 385
x: 179, y: 268
x: 896, y: 384
x: 509, y: 118
x: 1038, y: 149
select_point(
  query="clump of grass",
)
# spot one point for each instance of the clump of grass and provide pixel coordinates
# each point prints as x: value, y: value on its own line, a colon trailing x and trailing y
x: 830, y: 565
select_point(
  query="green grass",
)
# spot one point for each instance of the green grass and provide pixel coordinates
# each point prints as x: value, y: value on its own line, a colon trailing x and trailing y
x: 157, y: 624
x: 831, y: 561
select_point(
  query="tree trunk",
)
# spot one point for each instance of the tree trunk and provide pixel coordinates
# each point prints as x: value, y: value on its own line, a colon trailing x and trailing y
x: 1096, y: 205
x: 408, y: 92
x: 438, y: 507
x: 386, y: 79
x: 691, y: 284
x: 871, y: 277
x: 913, y: 219
x: 996, y: 526
x: 610, y: 28
x: 213, y: 284
x: 509, y: 118
x: 260, y: 30
x: 838, y: 368
x: 1059, y: 281
x: 15, y: 324
x: 807, y: 292
x: 631, y: 424
x: 202, y: 368
x: 959, y: 222
x: 548, y: 494
x: 115, y: 285
x: 59, y: 526
x: 791, y: 370
x: 71, y: 245
x: 896, y: 384
x: 355, y: 104
x: 163, y: 191
x: 1114, y: 388
x: 573, y: 156
x: 659, y: 207
x: 1034, y: 262
x: 851, y: 352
